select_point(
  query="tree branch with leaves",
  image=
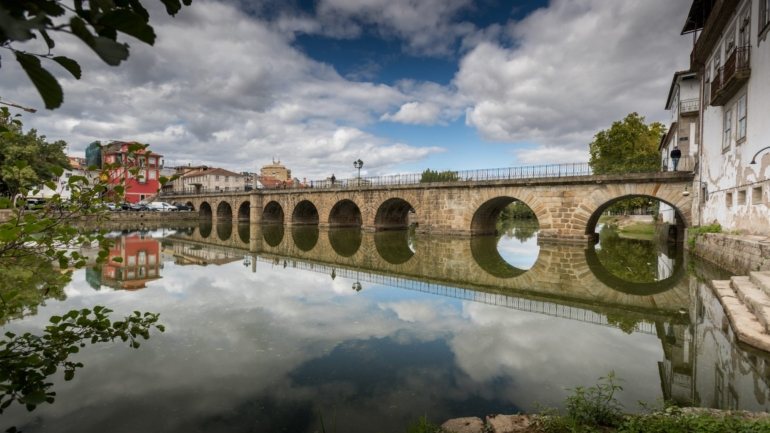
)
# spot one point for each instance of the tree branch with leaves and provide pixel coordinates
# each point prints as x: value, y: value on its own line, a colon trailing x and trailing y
x: 97, y: 23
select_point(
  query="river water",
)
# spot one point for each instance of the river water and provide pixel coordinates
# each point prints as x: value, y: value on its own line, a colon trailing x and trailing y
x: 281, y: 329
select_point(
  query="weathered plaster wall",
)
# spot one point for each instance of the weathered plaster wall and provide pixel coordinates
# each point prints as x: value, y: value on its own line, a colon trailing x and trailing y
x: 725, y: 168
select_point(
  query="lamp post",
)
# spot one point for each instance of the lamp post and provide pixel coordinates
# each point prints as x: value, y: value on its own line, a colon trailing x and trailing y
x: 358, y: 164
x: 754, y: 159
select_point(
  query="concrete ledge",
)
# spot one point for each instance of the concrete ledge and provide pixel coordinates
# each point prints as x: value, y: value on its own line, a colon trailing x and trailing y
x: 743, y: 322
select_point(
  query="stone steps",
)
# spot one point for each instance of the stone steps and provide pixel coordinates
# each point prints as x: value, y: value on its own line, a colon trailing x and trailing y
x: 746, y: 300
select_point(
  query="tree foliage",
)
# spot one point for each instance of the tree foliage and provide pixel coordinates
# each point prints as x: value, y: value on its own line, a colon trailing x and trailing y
x: 628, y: 146
x: 26, y: 159
x: 28, y: 360
x: 439, y: 176
x: 97, y: 23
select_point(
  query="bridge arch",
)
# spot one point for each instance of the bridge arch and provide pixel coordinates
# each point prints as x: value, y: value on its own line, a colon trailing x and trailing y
x: 224, y: 211
x: 305, y: 213
x: 345, y: 241
x: 204, y: 229
x: 393, y: 214
x: 484, y: 221
x: 394, y: 246
x: 681, y: 216
x: 305, y: 237
x: 204, y: 211
x: 273, y: 234
x: 273, y: 213
x: 345, y: 213
x: 244, y: 211
x: 191, y: 205
x: 224, y: 230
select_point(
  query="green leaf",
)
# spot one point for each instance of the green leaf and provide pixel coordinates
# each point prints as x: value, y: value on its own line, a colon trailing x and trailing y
x: 172, y: 6
x: 129, y: 23
x: 34, y: 398
x: 70, y: 65
x: 69, y: 374
x: 110, y: 51
x: 117, y: 259
x: 45, y: 83
x: 48, y: 41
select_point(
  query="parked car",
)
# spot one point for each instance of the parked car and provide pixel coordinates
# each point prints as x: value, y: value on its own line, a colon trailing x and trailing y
x: 112, y: 206
x: 182, y: 206
x: 139, y: 207
x: 161, y: 206
x: 34, y: 203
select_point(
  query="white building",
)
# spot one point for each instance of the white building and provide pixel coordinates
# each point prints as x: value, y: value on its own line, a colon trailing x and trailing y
x: 731, y: 56
x: 77, y: 168
x: 683, y: 104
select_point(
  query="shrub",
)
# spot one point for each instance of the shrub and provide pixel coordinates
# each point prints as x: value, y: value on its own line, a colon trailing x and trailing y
x: 694, y: 232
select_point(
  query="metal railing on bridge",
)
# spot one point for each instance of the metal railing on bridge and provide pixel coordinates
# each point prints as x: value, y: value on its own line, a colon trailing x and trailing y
x: 532, y: 172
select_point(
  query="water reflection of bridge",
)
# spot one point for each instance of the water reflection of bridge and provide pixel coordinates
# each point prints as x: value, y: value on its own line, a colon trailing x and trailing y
x: 500, y: 300
x: 561, y: 271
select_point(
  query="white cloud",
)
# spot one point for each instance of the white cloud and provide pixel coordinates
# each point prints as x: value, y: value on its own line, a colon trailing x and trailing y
x: 415, y: 113
x: 225, y: 89
x: 572, y: 69
x: 550, y: 155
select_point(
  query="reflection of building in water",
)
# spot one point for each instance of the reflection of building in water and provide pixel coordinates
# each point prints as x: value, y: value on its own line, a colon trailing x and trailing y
x: 665, y: 265
x: 705, y: 365
x: 140, y: 255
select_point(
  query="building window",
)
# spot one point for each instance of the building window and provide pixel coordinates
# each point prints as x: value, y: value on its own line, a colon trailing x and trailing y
x: 764, y: 16
x: 227, y: 178
x: 742, y: 197
x: 744, y: 28
x: 216, y: 177
x: 729, y: 199
x: 756, y: 195
x: 729, y: 42
x: 727, y: 129
x: 742, y: 118
x: 151, y: 174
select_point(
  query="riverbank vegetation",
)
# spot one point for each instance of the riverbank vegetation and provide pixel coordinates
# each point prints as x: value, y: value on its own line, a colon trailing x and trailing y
x: 596, y: 409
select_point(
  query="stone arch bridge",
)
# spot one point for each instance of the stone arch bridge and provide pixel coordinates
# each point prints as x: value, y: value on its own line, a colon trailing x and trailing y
x: 567, y: 208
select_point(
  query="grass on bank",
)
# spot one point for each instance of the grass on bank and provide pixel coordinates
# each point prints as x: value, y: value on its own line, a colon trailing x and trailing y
x: 595, y: 409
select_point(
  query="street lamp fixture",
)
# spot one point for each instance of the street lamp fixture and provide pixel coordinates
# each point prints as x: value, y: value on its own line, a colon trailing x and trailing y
x: 358, y: 164
x: 754, y: 159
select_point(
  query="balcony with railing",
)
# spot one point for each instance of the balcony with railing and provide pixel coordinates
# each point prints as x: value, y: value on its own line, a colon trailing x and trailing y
x: 732, y: 76
x: 689, y: 107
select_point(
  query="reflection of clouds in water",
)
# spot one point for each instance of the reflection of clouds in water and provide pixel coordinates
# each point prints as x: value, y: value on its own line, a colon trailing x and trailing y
x: 520, y: 254
x: 233, y: 334
x: 544, y: 355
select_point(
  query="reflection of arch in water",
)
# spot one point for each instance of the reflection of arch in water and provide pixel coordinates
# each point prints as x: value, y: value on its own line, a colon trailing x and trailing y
x: 485, y: 253
x: 273, y: 213
x: 305, y: 213
x: 273, y: 234
x: 204, y: 211
x: 345, y: 241
x: 305, y: 236
x: 393, y: 246
x: 345, y: 214
x: 204, y: 228
x: 244, y: 233
x: 485, y: 218
x: 392, y: 214
x: 224, y: 211
x: 633, y: 288
x: 594, y: 218
x: 224, y: 230
x: 244, y: 211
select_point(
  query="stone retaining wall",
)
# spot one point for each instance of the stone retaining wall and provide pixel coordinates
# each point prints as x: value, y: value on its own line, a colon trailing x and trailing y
x: 738, y: 254
x: 129, y: 217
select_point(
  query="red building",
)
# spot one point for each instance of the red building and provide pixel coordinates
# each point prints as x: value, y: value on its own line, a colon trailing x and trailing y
x: 142, y: 186
x: 140, y: 263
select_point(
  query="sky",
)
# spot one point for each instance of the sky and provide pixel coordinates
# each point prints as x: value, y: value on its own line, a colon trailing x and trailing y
x: 403, y: 85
